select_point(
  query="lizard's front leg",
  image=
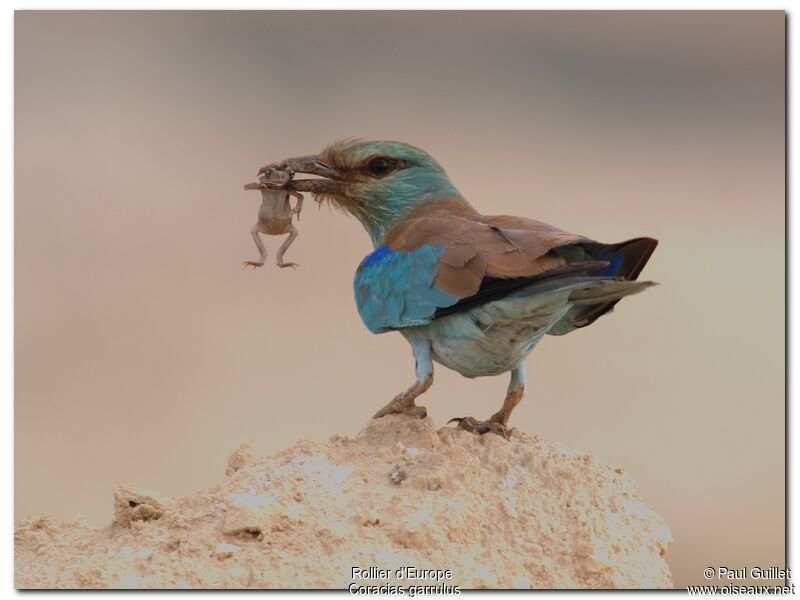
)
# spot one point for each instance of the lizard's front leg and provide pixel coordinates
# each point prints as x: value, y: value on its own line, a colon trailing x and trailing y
x: 298, y: 205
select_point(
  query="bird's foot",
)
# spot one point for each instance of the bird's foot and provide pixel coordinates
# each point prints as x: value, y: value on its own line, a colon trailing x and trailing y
x: 472, y: 425
x: 283, y: 265
x: 401, y: 406
x: 253, y: 263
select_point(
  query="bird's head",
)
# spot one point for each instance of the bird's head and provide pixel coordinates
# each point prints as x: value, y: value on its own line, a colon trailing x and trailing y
x: 378, y: 182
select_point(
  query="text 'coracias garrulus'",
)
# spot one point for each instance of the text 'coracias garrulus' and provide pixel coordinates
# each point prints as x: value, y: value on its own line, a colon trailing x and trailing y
x: 474, y: 293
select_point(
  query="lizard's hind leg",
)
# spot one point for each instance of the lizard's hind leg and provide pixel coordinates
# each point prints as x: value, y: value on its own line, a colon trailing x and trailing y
x: 261, y: 249
x: 284, y: 246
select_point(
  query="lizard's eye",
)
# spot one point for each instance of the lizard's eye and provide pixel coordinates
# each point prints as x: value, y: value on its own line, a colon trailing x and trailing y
x: 378, y: 167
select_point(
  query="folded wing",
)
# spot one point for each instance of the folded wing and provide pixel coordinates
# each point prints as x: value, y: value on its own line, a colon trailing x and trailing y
x: 447, y: 258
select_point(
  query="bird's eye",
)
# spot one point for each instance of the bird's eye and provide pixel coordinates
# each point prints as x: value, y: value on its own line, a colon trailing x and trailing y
x: 381, y: 166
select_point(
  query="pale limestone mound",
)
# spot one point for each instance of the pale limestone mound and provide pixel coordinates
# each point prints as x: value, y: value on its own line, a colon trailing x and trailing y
x: 517, y: 513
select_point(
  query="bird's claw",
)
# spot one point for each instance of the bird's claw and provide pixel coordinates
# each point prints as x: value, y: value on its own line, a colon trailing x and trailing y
x: 283, y: 265
x: 473, y: 425
x: 252, y: 263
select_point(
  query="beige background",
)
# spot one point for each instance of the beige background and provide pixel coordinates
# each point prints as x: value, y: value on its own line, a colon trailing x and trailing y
x: 145, y: 353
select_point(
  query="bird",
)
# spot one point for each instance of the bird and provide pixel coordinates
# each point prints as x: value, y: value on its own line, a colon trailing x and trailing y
x: 471, y: 292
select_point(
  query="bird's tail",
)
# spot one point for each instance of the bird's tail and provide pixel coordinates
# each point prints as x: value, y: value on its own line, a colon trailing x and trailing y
x: 625, y: 261
x: 606, y: 291
x: 593, y: 297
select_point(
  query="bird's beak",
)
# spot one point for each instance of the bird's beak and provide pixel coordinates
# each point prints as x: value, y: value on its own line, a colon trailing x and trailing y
x: 313, y: 165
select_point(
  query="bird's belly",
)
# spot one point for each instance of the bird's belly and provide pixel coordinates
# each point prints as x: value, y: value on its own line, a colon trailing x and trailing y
x: 495, y: 337
x: 499, y: 350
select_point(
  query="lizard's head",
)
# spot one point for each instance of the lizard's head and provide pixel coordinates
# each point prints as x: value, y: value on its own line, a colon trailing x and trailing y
x: 273, y: 177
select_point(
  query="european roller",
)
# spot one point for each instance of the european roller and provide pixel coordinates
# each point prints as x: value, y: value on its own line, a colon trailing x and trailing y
x: 471, y: 292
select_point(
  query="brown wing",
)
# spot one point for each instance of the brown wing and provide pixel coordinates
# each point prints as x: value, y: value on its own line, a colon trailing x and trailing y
x: 479, y: 248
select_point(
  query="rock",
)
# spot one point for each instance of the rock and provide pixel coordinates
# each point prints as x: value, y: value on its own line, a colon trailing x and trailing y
x: 223, y: 551
x: 250, y: 515
x: 240, y: 458
x: 131, y: 504
x: 397, y: 475
x: 516, y: 513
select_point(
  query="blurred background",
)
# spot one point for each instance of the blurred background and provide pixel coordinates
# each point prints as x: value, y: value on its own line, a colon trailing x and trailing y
x: 145, y: 353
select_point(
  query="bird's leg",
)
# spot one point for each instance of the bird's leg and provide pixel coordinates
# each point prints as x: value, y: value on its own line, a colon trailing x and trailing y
x: 498, y: 422
x: 514, y: 394
x: 292, y: 234
x: 404, y: 403
x: 261, y: 249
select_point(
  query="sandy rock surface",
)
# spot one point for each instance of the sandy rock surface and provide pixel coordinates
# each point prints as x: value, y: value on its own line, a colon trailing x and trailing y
x: 499, y: 514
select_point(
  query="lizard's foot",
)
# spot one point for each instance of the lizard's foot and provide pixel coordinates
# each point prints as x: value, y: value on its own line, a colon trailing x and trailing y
x: 283, y: 265
x: 472, y: 425
x: 252, y: 263
x: 402, y: 406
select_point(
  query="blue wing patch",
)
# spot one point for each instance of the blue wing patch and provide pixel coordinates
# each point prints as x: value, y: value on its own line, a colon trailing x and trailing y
x: 396, y: 289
